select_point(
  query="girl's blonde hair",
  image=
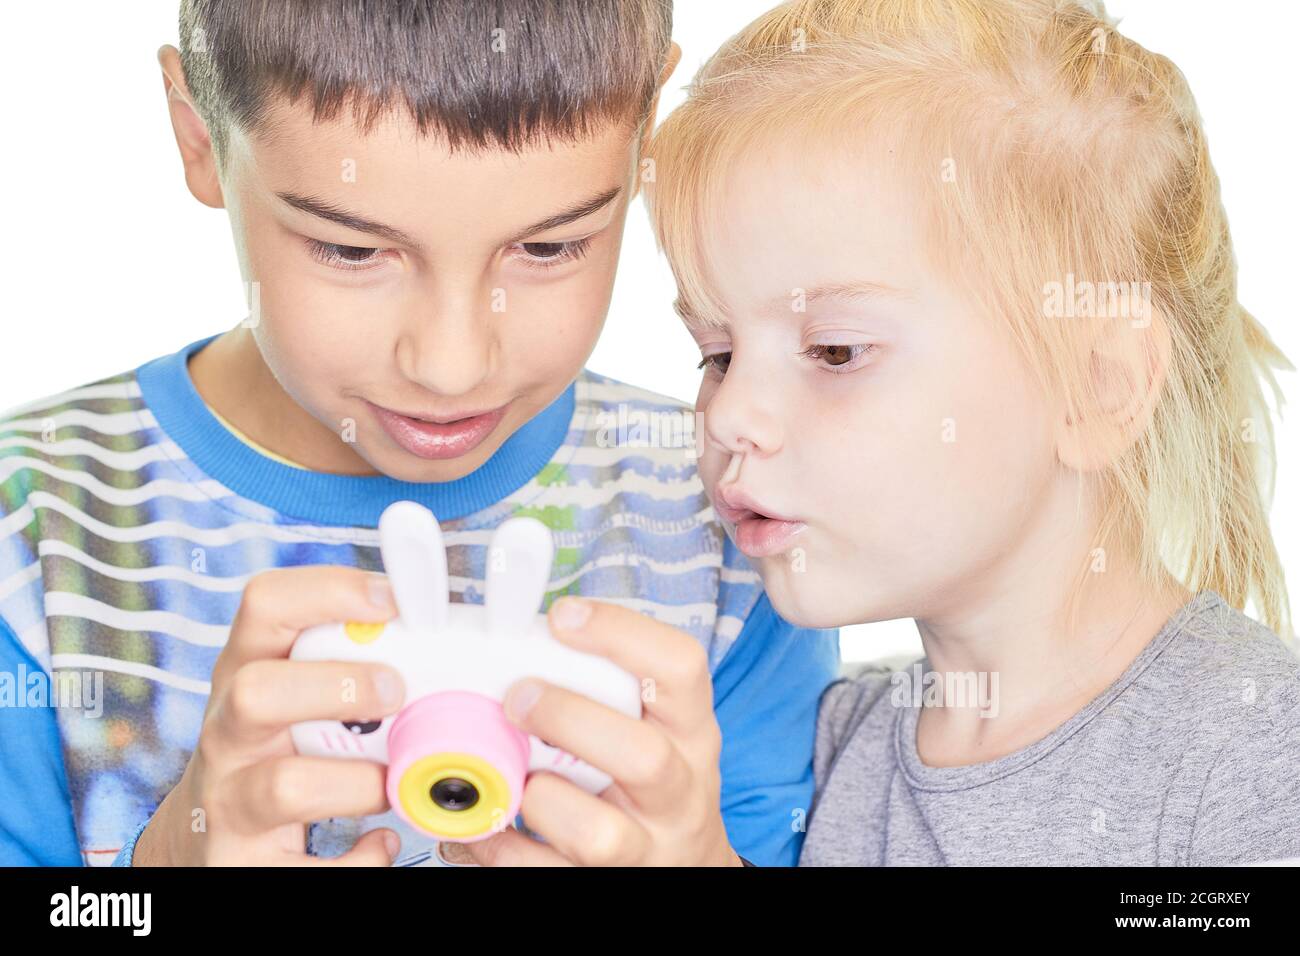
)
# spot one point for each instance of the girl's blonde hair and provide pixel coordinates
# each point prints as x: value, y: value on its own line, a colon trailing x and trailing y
x: 1042, y: 145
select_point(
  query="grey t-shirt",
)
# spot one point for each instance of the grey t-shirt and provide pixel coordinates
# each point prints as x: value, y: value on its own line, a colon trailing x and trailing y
x: 1191, y: 757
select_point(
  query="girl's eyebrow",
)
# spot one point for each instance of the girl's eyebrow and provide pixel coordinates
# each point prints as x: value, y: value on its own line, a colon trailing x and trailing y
x: 841, y: 291
x: 694, y: 322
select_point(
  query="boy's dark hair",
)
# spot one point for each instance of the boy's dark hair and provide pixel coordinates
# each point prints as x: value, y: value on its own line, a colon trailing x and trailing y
x: 480, y: 73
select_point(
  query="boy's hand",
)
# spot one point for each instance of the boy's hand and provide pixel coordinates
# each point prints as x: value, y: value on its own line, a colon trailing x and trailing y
x: 246, y: 796
x: 663, y: 808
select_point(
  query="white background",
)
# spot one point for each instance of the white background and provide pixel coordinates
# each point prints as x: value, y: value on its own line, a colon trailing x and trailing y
x: 108, y: 261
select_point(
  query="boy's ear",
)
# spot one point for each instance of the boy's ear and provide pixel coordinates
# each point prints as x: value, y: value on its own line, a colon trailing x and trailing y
x: 670, y: 65
x: 1128, y: 357
x: 647, y: 129
x: 191, y: 132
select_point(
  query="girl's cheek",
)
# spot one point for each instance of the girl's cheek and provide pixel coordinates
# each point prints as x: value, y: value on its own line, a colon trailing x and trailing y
x: 711, y: 465
x: 707, y: 388
x: 704, y: 448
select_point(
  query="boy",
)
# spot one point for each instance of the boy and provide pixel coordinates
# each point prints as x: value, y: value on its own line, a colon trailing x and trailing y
x: 427, y: 206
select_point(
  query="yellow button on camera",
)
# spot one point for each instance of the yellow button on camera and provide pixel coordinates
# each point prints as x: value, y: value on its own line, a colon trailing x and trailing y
x: 363, y: 632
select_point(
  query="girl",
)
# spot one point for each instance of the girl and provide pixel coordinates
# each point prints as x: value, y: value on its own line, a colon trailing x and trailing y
x: 966, y: 299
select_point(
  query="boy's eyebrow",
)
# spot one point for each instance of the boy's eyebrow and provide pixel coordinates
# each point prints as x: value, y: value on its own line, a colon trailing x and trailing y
x: 575, y: 212
x: 327, y: 210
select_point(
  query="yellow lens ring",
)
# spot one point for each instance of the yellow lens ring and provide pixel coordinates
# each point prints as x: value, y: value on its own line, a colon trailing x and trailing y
x: 414, y: 792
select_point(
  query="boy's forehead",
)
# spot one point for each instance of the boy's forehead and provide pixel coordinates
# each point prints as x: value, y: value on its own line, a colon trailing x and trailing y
x: 394, y: 169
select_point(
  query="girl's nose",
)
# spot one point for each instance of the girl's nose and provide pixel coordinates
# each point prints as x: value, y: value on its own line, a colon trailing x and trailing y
x: 742, y: 417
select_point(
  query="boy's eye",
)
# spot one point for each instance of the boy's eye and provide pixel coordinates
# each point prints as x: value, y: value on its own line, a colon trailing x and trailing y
x: 343, y: 257
x: 544, y: 250
x: 354, y: 253
x: 718, y: 362
x: 545, y: 255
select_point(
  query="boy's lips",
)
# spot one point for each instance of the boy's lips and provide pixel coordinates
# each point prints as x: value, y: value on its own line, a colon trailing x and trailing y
x: 447, y: 437
x: 759, y: 534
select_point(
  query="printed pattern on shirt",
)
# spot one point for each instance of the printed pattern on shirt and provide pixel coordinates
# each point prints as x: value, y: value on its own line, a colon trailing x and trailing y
x: 118, y: 557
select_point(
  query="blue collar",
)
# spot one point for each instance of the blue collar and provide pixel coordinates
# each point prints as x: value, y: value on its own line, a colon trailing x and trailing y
x: 324, y: 498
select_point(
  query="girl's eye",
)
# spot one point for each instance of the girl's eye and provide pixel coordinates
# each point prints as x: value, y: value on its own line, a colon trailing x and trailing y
x: 343, y: 257
x: 546, y: 255
x: 838, y: 358
x: 718, y: 362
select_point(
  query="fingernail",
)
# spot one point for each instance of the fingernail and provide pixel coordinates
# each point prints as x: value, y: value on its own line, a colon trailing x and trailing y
x: 456, y: 854
x: 388, y: 687
x: 392, y: 843
x: 570, y: 613
x: 381, y: 593
x: 521, y: 698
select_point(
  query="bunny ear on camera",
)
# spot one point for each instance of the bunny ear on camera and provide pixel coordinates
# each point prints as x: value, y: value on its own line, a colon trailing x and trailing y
x: 415, y: 561
x: 518, y: 570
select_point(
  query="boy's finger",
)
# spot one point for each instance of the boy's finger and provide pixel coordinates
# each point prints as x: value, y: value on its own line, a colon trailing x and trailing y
x: 281, y: 790
x: 680, y: 692
x: 376, y: 848
x: 279, y: 604
x: 266, y: 696
x: 580, y: 826
x: 638, y: 754
x: 507, y: 848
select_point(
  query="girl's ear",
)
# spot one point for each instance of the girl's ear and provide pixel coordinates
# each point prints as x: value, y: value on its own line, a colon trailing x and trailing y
x: 415, y: 561
x: 1124, y: 373
x: 518, y: 570
x: 191, y: 132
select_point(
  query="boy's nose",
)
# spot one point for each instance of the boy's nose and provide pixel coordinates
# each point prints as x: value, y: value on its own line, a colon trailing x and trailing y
x: 447, y: 354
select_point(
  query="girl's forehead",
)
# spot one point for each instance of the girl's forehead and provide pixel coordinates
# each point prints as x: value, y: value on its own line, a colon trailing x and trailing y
x: 823, y: 226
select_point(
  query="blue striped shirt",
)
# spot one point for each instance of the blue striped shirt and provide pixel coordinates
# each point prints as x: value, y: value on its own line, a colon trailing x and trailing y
x: 131, y: 519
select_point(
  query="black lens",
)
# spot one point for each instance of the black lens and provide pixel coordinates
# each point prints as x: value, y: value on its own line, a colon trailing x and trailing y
x: 453, y: 793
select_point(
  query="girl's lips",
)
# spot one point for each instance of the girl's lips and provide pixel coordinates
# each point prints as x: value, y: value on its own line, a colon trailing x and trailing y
x: 757, y: 535
x: 434, y: 440
x: 760, y: 537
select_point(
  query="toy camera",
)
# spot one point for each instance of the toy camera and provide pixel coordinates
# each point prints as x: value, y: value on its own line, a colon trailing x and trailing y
x: 456, y: 765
